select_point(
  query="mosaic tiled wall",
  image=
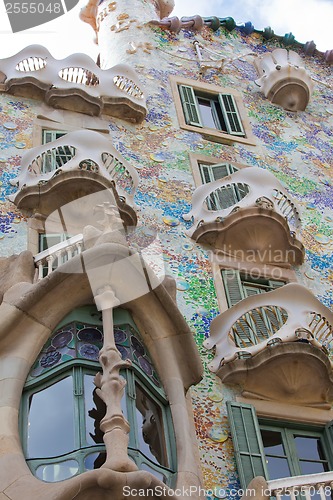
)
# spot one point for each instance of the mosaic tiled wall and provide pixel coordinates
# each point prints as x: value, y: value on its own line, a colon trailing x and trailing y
x: 16, y: 125
x: 297, y: 148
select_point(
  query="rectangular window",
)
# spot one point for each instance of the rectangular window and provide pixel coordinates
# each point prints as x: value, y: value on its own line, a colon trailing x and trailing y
x: 262, y: 322
x: 216, y: 111
x: 276, y: 449
x: 56, y: 157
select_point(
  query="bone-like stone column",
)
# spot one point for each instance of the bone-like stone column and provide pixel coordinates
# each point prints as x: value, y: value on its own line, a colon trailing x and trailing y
x: 110, y: 388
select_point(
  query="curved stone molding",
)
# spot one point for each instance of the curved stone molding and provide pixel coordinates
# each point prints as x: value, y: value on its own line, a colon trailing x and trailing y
x: 266, y: 217
x: 293, y: 373
x: 284, y: 80
x: 30, y: 313
x: 306, y: 318
x: 66, y: 164
x: 75, y: 83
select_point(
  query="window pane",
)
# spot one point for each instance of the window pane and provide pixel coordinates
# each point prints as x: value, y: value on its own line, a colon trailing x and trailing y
x: 94, y: 460
x: 95, y: 411
x: 51, y: 421
x: 272, y: 441
x: 277, y: 467
x: 313, y: 467
x: 206, y: 113
x: 150, y: 428
x: 57, y: 472
x: 309, y: 447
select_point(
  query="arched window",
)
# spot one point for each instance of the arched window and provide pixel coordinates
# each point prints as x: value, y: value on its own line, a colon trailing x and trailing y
x: 61, y: 410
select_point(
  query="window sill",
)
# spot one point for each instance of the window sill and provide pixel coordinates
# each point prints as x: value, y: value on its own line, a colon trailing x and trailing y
x: 213, y: 135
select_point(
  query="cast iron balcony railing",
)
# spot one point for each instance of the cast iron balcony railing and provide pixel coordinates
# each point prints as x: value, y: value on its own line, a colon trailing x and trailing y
x: 75, y: 83
x: 288, y: 314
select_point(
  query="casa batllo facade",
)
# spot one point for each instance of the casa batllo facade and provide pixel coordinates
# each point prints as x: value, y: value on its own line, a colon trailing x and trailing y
x: 166, y: 263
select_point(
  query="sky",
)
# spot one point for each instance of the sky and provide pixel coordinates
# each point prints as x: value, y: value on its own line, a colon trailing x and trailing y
x: 306, y: 19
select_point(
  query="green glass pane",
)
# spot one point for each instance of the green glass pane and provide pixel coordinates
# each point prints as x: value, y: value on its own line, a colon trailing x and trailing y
x: 94, y: 410
x: 51, y: 421
x: 150, y: 429
x: 94, y: 460
x: 58, y: 471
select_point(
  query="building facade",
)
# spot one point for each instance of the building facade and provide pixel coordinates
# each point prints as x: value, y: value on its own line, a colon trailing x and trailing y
x: 166, y: 263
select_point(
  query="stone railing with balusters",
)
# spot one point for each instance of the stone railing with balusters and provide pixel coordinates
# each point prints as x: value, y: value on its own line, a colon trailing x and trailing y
x: 287, y: 314
x: 33, y: 72
x: 259, y: 188
x: 49, y: 260
x: 80, y: 150
x: 307, y: 486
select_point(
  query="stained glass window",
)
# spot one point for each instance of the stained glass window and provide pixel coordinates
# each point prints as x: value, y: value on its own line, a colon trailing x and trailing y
x: 61, y: 411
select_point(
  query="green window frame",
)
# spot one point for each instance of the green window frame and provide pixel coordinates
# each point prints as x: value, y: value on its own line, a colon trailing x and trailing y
x: 56, y: 375
x: 249, y: 440
x: 223, y: 197
x: 209, y: 110
x: 260, y: 324
x: 55, y: 158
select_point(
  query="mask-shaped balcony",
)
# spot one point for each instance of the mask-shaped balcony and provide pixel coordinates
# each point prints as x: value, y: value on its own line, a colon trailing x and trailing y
x: 276, y: 346
x: 75, y: 83
x: 248, y: 212
x: 75, y: 165
x: 284, y: 80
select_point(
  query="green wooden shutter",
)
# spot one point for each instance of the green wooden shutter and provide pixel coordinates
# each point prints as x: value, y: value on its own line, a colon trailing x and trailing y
x: 274, y: 314
x: 230, y: 114
x: 258, y: 321
x: 243, y: 334
x: 190, y: 107
x: 223, y: 197
x: 249, y: 450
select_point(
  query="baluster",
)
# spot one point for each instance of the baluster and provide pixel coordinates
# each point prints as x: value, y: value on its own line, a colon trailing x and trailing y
x: 306, y: 492
x: 321, y: 491
x: 49, y: 260
x: 277, y: 494
x: 79, y: 247
x: 59, y: 255
x: 69, y: 252
x: 40, y: 269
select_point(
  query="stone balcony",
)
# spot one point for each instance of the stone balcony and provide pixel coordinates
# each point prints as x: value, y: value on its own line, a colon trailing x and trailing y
x: 308, y: 486
x: 75, y: 165
x: 276, y: 346
x: 248, y: 212
x: 284, y: 80
x: 75, y: 83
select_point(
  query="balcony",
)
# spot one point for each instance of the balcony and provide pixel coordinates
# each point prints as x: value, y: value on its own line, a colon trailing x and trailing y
x: 276, y: 346
x: 309, y: 486
x: 284, y: 80
x: 248, y: 212
x: 51, y: 259
x: 75, y: 83
x: 77, y: 164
